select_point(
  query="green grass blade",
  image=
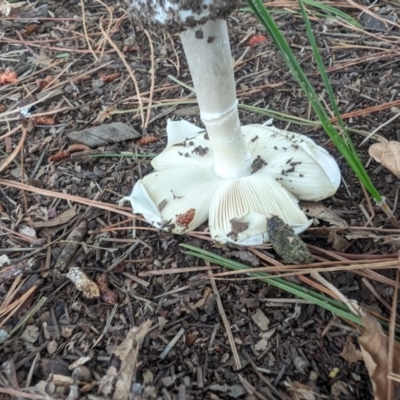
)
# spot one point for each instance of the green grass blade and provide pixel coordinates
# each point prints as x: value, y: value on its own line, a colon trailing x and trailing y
x: 318, y: 59
x: 334, y: 306
x: 342, y: 143
x: 309, y: 295
x: 325, y: 11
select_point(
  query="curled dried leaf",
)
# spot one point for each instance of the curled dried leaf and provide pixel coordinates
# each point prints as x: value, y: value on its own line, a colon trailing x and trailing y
x: 375, y: 350
x: 388, y: 154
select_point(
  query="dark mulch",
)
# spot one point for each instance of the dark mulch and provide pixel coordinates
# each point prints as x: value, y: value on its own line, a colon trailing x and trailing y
x: 302, y: 344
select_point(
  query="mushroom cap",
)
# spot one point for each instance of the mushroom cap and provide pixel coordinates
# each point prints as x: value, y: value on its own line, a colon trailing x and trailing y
x: 184, y: 191
x: 177, y: 15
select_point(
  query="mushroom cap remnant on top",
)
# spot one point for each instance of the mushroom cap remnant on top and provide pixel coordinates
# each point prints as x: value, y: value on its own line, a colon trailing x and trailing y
x: 178, y: 15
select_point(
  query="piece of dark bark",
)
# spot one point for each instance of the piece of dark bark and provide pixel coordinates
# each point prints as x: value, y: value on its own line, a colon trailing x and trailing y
x: 286, y: 243
x: 70, y: 249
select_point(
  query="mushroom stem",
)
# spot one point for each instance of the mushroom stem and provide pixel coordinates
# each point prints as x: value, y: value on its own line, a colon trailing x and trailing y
x: 208, y: 54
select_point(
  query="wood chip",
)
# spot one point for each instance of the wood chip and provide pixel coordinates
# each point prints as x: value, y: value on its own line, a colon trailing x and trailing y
x: 63, y: 218
x: 70, y: 249
x: 261, y: 320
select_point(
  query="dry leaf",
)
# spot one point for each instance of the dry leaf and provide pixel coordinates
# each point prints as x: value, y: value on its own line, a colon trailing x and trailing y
x: 316, y: 210
x: 339, y: 243
x: 388, y: 154
x: 338, y: 388
x: 42, y: 59
x: 299, y: 391
x: 120, y: 378
x: 6, y: 7
x: 375, y: 348
x: 350, y: 353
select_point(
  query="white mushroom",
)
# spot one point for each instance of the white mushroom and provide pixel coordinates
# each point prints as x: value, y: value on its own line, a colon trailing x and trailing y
x: 234, y: 176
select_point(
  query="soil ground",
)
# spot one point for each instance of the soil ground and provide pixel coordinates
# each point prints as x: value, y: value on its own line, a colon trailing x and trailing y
x: 195, y: 338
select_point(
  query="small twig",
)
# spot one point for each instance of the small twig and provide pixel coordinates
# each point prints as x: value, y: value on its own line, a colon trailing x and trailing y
x: 238, y: 364
x: 251, y: 389
x: 10, y: 132
x: 368, y: 200
x: 176, y: 271
x: 391, y: 338
x: 20, y: 394
x: 31, y: 355
x: 65, y: 196
x: 17, y: 149
x: 385, y: 208
x: 107, y: 326
x: 177, y: 66
x: 366, y: 215
x: 379, y: 128
x: 375, y: 293
x: 171, y: 344
x: 123, y: 256
x: 153, y: 72
x: 128, y: 67
x: 28, y: 315
x: 85, y: 30
x: 111, y: 20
